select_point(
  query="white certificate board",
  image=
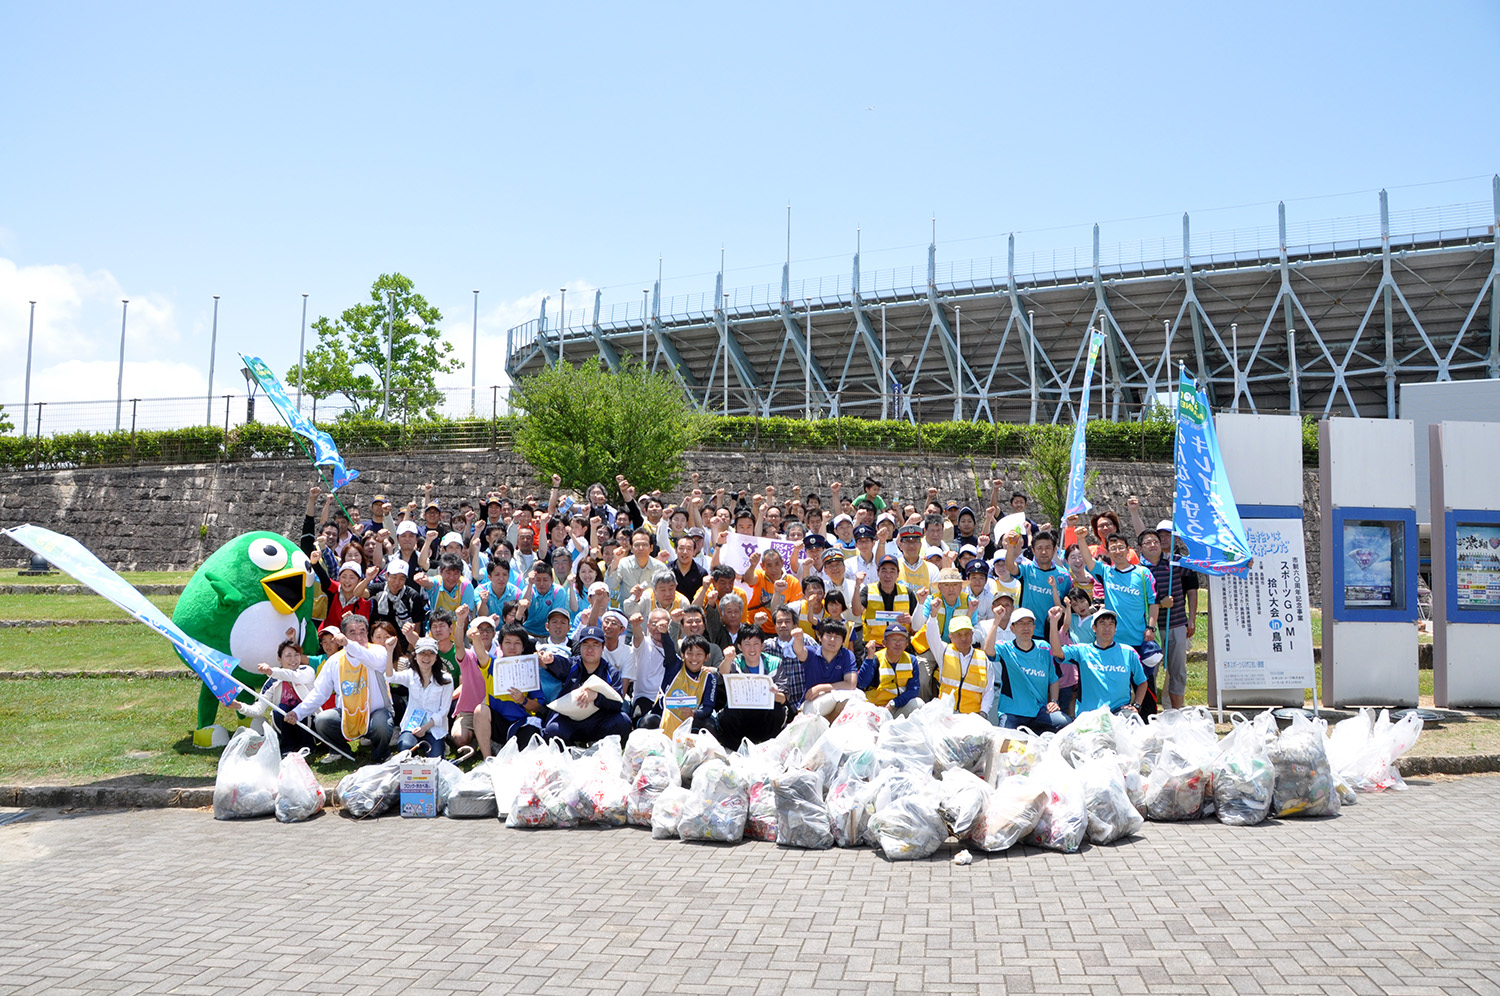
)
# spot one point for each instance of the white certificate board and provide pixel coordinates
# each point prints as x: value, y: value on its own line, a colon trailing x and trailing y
x: 521, y: 672
x: 750, y: 691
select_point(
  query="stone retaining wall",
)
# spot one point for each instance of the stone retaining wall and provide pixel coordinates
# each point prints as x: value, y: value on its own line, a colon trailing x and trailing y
x: 171, y: 517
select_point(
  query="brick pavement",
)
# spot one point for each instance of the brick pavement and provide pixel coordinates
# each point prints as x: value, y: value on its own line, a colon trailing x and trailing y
x: 1398, y: 895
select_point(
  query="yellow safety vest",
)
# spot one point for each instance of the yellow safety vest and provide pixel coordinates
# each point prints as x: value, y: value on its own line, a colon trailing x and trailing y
x: 893, y: 678
x: 915, y: 577
x: 875, y: 601
x: 966, y: 685
x: 682, y: 684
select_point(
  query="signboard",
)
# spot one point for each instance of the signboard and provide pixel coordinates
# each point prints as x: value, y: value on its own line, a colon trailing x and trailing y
x: 418, y: 788
x: 1476, y: 552
x: 1264, y: 627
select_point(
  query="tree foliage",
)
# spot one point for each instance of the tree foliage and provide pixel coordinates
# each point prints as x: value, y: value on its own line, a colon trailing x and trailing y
x: 587, y: 424
x: 1045, y: 471
x: 6, y: 425
x: 349, y: 359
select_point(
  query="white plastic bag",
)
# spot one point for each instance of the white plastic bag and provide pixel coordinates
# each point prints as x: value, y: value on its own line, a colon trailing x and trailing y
x: 1091, y: 734
x: 298, y: 794
x: 1110, y: 811
x: 963, y: 797
x: 1362, y: 750
x: 1243, y: 776
x: 473, y: 795
x: 760, y: 792
x: 596, y: 792
x: 1012, y: 811
x: 908, y: 826
x: 1011, y: 752
x: 718, y: 807
x: 961, y: 741
x: 656, y: 774
x: 695, y: 749
x: 904, y: 741
x: 505, y: 773
x: 1064, y: 821
x: 541, y: 798
x: 801, y: 816
x: 245, y: 785
x: 1304, y: 779
x: 1175, y: 788
x: 448, y: 775
x: 642, y: 744
x: 371, y: 790
x: 850, y: 804
x: 666, y: 812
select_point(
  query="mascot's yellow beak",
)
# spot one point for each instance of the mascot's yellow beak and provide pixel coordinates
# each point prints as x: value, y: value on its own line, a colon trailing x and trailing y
x: 286, y: 590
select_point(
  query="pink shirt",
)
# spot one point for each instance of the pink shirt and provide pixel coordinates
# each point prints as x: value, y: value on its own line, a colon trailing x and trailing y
x: 471, y: 682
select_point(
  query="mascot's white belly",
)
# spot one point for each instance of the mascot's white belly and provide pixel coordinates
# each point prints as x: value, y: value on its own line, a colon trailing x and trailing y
x: 259, y: 630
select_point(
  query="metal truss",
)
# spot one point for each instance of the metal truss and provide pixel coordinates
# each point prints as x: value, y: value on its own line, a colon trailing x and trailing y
x: 1330, y: 320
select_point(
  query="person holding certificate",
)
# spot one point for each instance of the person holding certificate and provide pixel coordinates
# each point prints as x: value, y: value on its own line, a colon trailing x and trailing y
x: 597, y: 714
x: 510, y: 712
x: 737, y: 723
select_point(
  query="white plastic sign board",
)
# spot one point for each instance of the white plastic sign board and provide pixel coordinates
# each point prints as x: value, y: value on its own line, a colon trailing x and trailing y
x: 1263, y: 621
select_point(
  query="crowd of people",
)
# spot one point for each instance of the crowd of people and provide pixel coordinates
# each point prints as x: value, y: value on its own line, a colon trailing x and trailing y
x: 1022, y: 622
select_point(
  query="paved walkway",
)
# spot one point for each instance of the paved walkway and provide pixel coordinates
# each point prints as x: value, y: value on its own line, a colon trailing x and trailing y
x: 1398, y: 895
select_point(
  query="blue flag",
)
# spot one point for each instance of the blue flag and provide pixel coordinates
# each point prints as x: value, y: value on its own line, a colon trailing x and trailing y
x: 69, y: 555
x: 1077, y: 504
x: 324, y: 452
x: 1205, y: 517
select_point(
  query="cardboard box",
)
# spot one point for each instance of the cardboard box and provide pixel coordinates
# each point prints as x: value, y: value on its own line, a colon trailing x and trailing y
x: 418, y: 788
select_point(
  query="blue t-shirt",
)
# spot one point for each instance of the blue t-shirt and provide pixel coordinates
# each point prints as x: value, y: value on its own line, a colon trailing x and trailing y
x: 1105, y: 675
x: 1129, y: 593
x: 1036, y: 588
x: 1024, y: 678
x: 1081, y: 628
x: 439, y: 597
x: 541, y: 605
x: 825, y: 672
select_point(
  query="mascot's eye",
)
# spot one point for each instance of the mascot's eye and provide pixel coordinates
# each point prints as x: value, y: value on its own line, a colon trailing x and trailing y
x: 268, y: 556
x: 299, y: 560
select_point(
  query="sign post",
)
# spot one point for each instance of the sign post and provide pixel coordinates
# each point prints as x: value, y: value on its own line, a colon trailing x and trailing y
x: 1465, y: 459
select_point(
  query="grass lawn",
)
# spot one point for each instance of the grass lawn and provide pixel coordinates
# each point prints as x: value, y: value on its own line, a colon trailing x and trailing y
x: 134, y: 577
x: 84, y: 648
x: 74, y: 730
x: 71, y: 606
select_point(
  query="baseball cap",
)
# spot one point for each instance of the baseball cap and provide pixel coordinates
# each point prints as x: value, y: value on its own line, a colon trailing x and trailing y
x: 841, y: 518
x: 928, y: 552
x: 950, y: 574
x: 452, y: 538
x: 966, y: 510
x: 590, y: 633
x: 1106, y: 612
x: 816, y: 541
x: 406, y: 527
x: 598, y: 586
x: 485, y: 621
x: 951, y: 504
x: 427, y: 643
x: 895, y: 629
x: 1164, y: 524
x: 433, y: 504
x: 864, y: 532
x: 888, y: 559
x: 380, y: 500
x: 959, y: 623
x: 352, y: 565
x: 1022, y: 614
x: 559, y: 609
x: 396, y: 566
x: 968, y: 548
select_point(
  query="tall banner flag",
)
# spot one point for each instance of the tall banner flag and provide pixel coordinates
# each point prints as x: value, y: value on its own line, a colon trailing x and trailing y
x: 1204, y: 517
x: 324, y: 452
x: 69, y: 555
x: 1077, y: 503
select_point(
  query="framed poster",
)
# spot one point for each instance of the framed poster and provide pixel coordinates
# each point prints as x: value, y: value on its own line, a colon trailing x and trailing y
x: 1476, y: 555
x: 1373, y: 555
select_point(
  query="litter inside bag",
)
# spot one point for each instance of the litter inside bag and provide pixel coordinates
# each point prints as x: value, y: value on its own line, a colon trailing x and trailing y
x: 473, y: 795
x: 963, y: 797
x: 850, y: 804
x: 801, y: 816
x: 541, y: 798
x: 298, y: 794
x: 1110, y: 811
x: 961, y: 741
x: 1064, y: 821
x: 667, y: 811
x: 642, y: 744
x: 245, y: 785
x: 1011, y: 752
x: 1362, y: 750
x: 1012, y: 811
x: 448, y: 775
x: 596, y: 792
x: 1304, y: 780
x: 1244, y: 778
x: 909, y: 826
x: 370, y: 790
x: 718, y: 807
x: 695, y: 749
x: 1174, y: 790
x: 760, y: 793
x: 1091, y: 734
x: 656, y: 774
x: 904, y: 741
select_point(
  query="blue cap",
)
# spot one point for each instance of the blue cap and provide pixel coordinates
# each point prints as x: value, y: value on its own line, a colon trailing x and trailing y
x: 864, y: 532
x: 892, y: 629
x: 590, y: 633
x: 815, y: 541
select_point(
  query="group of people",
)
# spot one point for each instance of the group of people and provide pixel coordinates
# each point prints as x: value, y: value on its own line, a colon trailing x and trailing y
x: 639, y: 614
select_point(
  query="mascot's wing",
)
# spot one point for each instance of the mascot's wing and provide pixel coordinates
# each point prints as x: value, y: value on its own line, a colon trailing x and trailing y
x: 69, y: 555
x: 229, y: 596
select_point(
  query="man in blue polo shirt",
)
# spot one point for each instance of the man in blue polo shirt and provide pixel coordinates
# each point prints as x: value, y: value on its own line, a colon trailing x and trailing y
x: 1109, y: 673
x: 1129, y: 591
x: 1035, y: 574
x: 540, y: 598
x: 832, y: 666
x: 1026, y: 680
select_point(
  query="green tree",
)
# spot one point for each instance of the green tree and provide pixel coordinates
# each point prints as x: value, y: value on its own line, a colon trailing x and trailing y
x: 349, y: 359
x: 587, y: 424
x: 1045, y: 471
x: 6, y: 426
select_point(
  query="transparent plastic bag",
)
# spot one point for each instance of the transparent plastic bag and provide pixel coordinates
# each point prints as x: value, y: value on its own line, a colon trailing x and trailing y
x: 904, y: 741
x: 694, y: 750
x: 656, y: 773
x: 298, y: 795
x: 596, y: 793
x: 1304, y: 779
x: 801, y: 733
x: 371, y: 790
x: 541, y: 799
x: 824, y: 757
x: 1064, y: 821
x: 850, y: 803
x: 667, y: 811
x: 1175, y: 789
x: 1011, y: 752
x: 1110, y: 811
x: 473, y: 795
x: 448, y: 775
x: 245, y: 785
x: 961, y: 741
x: 801, y: 816
x: 963, y: 797
x: 1091, y: 734
x: 505, y: 772
x: 1362, y: 750
x: 1012, y: 811
x: 760, y: 793
x: 908, y: 825
x: 718, y: 807
x: 643, y: 744
x: 1244, y: 778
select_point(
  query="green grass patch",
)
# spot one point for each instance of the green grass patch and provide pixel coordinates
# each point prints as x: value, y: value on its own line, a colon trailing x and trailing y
x: 134, y: 577
x: 85, y: 648
x: 72, y: 606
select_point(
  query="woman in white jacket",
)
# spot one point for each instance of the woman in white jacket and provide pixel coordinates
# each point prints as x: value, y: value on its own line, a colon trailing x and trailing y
x: 429, y: 697
x: 291, y: 683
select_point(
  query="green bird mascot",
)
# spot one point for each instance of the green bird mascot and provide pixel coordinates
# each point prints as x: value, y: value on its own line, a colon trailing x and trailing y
x: 253, y: 593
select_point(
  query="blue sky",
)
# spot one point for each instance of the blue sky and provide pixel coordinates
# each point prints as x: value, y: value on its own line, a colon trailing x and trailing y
x: 167, y: 153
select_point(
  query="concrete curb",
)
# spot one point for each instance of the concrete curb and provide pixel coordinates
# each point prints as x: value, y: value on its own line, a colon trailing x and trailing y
x: 1471, y: 764
x: 174, y: 673
x: 78, y: 589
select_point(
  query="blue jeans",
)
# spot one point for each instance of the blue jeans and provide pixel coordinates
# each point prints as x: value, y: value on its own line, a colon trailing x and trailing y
x: 582, y: 732
x: 330, y: 726
x: 1040, y: 723
x: 409, y: 741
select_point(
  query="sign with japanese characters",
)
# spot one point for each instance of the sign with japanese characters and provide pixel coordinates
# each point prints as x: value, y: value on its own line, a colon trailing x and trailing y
x: 1476, y: 548
x: 1263, y: 632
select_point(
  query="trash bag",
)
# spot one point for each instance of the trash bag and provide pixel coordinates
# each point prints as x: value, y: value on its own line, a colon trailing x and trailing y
x: 801, y: 816
x: 1091, y: 734
x: 1064, y: 821
x: 541, y: 798
x: 656, y: 773
x: 904, y: 741
x: 596, y: 793
x: 909, y: 825
x: 850, y: 803
x: 1012, y: 811
x: 1304, y: 780
x: 473, y: 795
x: 1110, y: 811
x: 824, y: 757
x: 694, y: 749
x: 448, y: 775
x: 719, y: 805
x: 1174, y: 791
x: 643, y: 744
x: 963, y: 797
x: 760, y: 793
x: 800, y: 734
x: 1244, y: 778
x: 961, y: 741
x: 1362, y: 751
x: 860, y: 714
x: 249, y: 768
x: 371, y: 790
x: 1011, y: 752
x: 667, y: 811
x: 298, y: 794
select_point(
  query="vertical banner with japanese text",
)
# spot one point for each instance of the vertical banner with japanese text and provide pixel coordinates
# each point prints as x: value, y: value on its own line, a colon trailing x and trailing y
x: 1264, y: 626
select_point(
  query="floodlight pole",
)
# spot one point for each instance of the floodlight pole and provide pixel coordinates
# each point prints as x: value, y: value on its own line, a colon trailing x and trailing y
x: 474, y: 361
x: 120, y: 380
x: 26, y: 405
x: 301, y: 355
x: 213, y: 346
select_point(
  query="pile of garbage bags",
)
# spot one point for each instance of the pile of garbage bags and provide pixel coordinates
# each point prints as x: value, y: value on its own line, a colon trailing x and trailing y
x: 851, y: 775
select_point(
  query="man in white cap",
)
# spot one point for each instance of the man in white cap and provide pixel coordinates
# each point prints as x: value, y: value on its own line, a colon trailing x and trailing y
x: 399, y: 602
x: 1026, y: 680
